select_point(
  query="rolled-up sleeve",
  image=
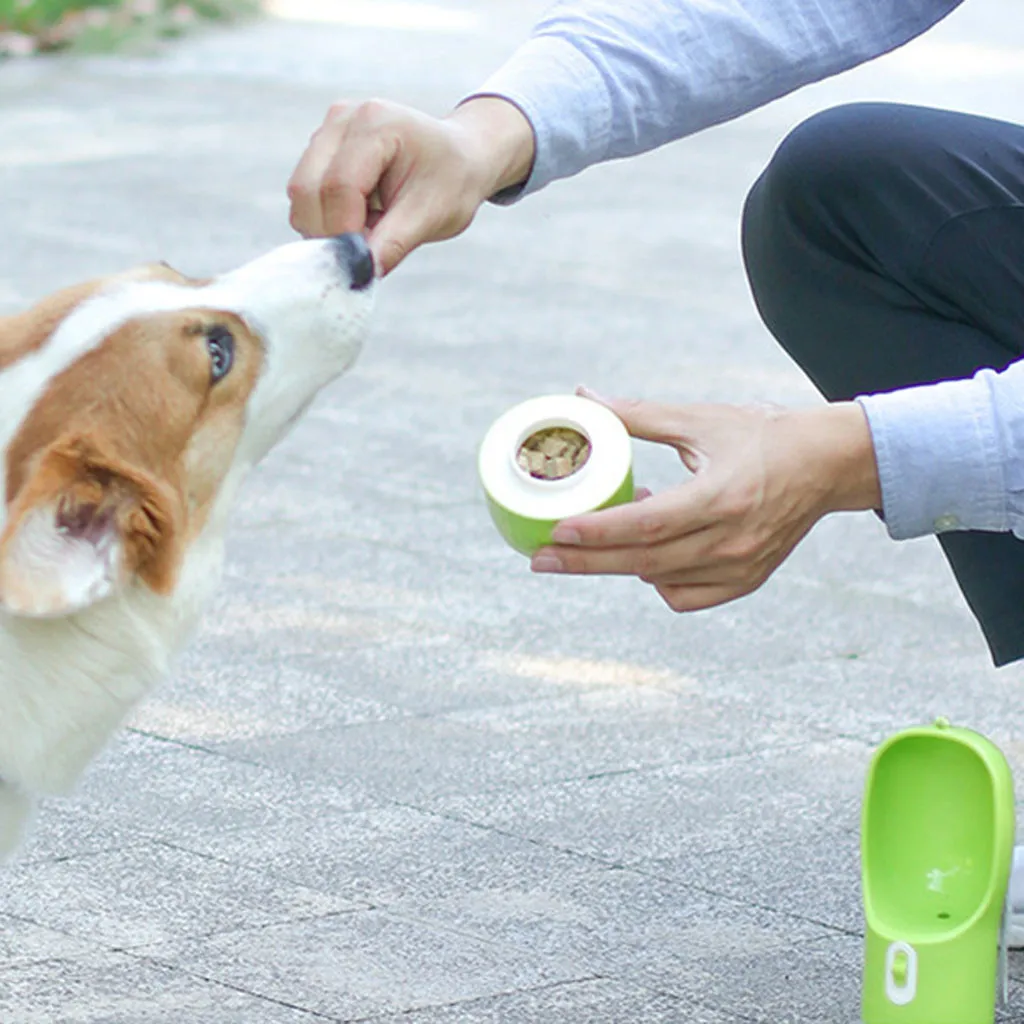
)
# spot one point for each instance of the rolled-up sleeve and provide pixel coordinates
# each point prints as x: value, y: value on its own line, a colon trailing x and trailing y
x: 951, y: 455
x: 602, y: 79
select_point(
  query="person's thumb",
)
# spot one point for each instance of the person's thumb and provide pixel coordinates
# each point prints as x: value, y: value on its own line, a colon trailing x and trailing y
x: 404, y: 226
x: 390, y: 244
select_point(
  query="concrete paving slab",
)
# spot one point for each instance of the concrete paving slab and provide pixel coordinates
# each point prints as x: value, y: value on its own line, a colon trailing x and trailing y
x: 682, y: 811
x: 23, y: 942
x: 161, y: 788
x: 485, y: 750
x: 597, y: 1002
x: 353, y: 966
x: 813, y: 873
x: 383, y: 857
x: 616, y: 922
x: 810, y: 983
x: 217, y: 701
x: 115, y: 988
x: 870, y: 697
x: 153, y: 894
x: 459, y: 671
x: 63, y: 828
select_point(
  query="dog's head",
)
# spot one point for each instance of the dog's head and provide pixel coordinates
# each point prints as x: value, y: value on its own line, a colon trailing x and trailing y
x: 132, y: 407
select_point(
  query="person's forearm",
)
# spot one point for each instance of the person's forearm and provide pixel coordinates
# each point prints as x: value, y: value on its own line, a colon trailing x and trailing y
x: 601, y: 79
x: 503, y: 139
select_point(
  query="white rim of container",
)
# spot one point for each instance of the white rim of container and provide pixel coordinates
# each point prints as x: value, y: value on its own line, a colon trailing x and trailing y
x: 589, y: 487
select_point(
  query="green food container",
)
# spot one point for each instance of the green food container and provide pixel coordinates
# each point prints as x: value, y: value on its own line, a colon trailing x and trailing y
x: 525, y: 508
x: 936, y: 848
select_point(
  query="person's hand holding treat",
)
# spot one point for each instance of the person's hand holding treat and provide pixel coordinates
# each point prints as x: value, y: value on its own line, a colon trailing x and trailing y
x: 405, y: 177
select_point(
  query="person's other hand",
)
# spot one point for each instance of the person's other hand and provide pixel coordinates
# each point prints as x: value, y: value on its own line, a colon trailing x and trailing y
x: 404, y: 177
x: 762, y: 477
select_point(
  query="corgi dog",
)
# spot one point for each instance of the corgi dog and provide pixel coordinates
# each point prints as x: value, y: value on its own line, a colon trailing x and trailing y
x: 131, y: 410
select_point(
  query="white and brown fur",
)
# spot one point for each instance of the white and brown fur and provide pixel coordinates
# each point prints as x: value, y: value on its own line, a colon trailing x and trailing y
x: 122, y: 456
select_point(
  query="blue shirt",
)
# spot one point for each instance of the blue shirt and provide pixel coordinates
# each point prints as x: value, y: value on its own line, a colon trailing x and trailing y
x: 603, y: 79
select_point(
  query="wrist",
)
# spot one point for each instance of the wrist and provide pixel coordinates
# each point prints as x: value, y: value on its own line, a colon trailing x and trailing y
x: 839, y: 451
x: 501, y: 142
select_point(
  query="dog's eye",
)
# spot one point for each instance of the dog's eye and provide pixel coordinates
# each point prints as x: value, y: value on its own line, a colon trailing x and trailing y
x: 221, y: 345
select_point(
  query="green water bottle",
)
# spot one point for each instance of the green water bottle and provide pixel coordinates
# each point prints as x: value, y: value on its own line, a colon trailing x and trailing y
x: 937, y: 836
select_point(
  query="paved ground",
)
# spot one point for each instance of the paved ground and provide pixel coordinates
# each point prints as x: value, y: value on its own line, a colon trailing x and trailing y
x: 398, y: 778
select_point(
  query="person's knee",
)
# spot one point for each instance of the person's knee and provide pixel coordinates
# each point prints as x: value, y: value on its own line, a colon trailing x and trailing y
x: 825, y: 163
x: 798, y: 210
x: 827, y: 175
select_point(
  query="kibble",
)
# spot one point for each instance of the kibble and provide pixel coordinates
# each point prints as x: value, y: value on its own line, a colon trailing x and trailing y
x: 553, y: 453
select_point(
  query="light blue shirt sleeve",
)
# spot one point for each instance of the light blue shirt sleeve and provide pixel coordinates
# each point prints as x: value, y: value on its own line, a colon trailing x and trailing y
x: 951, y: 455
x: 602, y: 79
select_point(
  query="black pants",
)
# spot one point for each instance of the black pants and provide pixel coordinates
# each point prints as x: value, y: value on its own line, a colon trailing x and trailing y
x: 885, y: 248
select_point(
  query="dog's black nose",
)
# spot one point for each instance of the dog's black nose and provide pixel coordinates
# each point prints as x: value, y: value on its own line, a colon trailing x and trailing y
x: 353, y: 253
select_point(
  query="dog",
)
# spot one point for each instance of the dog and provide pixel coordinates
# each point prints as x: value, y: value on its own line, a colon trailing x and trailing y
x: 131, y: 410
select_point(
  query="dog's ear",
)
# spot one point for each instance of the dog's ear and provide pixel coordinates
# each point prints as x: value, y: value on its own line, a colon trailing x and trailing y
x: 81, y: 526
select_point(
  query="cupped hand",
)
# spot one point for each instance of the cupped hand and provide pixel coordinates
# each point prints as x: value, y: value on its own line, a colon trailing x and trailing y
x: 404, y: 177
x: 762, y: 477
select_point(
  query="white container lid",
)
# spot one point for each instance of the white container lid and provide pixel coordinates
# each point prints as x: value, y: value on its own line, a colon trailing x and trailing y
x: 590, y: 487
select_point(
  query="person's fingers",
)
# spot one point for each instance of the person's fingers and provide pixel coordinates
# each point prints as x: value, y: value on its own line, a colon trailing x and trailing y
x: 650, y: 421
x: 344, y: 162
x: 401, y: 177
x: 351, y: 180
x: 702, y: 589
x: 674, y: 513
x: 342, y: 206
x: 396, y: 233
x: 304, y: 186
x: 689, y: 555
x: 584, y: 562
x: 642, y: 494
